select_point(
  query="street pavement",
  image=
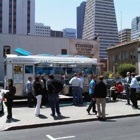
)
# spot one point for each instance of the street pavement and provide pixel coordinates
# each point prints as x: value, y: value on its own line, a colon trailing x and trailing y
x: 112, y: 129
x: 24, y: 117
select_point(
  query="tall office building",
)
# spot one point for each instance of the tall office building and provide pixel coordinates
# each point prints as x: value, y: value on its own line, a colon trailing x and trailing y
x: 80, y: 19
x: 17, y: 16
x: 125, y: 35
x: 42, y: 30
x: 100, y: 18
x: 135, y: 28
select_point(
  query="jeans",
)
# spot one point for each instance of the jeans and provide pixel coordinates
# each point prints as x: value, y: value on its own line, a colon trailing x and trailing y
x: 37, y: 109
x: 30, y: 98
x: 75, y: 93
x: 92, y: 104
x: 80, y: 96
x: 44, y: 97
x: 133, y: 97
x: 9, y: 107
x: 101, y: 101
x: 128, y: 94
x: 54, y: 101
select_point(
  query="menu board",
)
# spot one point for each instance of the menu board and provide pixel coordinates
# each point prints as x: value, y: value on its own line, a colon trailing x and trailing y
x: 18, y: 78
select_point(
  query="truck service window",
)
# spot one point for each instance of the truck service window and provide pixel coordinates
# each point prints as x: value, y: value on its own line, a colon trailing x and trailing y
x: 28, y: 69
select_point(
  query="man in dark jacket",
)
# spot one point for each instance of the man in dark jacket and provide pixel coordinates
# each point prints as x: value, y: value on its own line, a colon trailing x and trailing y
x: 54, y: 87
x: 100, y: 93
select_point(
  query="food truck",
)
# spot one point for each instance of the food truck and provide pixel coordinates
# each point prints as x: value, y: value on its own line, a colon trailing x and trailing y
x: 19, y: 68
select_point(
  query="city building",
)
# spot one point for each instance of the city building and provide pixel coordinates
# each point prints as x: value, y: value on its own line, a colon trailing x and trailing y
x: 135, y: 28
x: 45, y: 45
x: 56, y: 33
x: 125, y: 35
x: 17, y: 16
x: 69, y: 33
x: 126, y: 52
x: 80, y: 19
x: 100, y: 19
x: 42, y: 30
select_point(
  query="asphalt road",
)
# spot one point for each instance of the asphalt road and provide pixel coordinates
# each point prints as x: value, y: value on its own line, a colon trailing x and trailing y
x: 118, y: 129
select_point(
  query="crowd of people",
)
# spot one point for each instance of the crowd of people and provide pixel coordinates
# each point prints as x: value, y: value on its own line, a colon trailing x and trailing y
x: 38, y: 95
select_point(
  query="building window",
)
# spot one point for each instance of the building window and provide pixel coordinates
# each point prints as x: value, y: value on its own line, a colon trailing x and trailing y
x: 6, y: 50
x: 134, y: 54
x: 131, y: 55
x: 63, y: 51
x: 111, y: 68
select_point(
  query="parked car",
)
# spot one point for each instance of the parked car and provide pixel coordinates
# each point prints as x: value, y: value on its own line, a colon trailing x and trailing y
x: 108, y: 82
x: 1, y: 104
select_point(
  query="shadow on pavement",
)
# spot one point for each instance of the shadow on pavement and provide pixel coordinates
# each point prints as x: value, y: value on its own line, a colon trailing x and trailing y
x: 12, y: 120
x: 60, y: 117
x: 42, y: 116
x: 108, y: 120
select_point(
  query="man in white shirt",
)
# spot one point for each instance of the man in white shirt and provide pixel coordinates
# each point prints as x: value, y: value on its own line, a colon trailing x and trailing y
x: 76, y: 83
x: 127, y: 87
x: 133, y: 87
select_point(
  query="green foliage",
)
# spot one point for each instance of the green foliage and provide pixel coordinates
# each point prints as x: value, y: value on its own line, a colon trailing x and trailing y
x: 107, y: 74
x: 126, y: 67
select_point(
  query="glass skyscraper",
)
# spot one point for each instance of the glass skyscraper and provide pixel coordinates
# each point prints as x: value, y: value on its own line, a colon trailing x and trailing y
x: 100, y: 18
x: 135, y: 28
x: 80, y: 19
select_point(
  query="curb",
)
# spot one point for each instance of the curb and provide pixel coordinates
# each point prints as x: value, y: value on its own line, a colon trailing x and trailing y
x: 64, y: 122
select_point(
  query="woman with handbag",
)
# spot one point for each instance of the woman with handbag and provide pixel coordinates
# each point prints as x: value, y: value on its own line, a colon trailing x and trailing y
x: 10, y: 97
x: 38, y: 94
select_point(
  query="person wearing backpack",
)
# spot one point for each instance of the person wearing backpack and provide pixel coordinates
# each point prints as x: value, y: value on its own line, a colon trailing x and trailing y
x: 54, y: 87
x: 10, y: 97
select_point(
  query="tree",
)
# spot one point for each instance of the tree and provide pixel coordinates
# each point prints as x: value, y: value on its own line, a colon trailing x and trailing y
x: 126, y: 67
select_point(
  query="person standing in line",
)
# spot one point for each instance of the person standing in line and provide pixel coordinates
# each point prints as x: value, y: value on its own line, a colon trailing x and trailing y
x: 127, y: 87
x: 10, y: 97
x: 38, y: 94
x: 91, y: 94
x: 133, y: 86
x: 29, y: 92
x: 54, y: 87
x: 76, y: 83
x: 81, y: 88
x: 100, y: 94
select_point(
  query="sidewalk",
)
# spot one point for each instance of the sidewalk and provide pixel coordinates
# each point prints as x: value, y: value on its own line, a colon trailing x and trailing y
x: 24, y: 117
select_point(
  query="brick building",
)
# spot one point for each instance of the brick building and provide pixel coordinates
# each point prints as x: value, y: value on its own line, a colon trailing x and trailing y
x: 123, y: 53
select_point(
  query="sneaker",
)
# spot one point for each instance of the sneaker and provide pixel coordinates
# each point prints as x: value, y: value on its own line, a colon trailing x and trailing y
x: 88, y: 112
x: 58, y: 114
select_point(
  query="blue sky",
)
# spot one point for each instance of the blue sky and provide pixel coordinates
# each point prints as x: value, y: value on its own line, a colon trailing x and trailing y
x: 60, y: 14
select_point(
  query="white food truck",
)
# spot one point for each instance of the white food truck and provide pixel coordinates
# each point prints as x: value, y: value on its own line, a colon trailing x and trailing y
x: 19, y: 68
